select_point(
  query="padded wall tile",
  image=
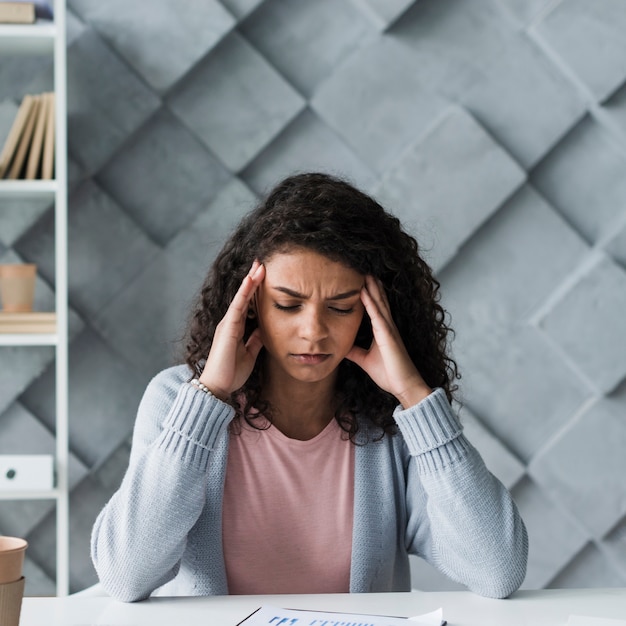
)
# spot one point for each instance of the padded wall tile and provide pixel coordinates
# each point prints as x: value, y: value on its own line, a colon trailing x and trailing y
x: 586, y: 455
x: 8, y: 111
x: 235, y: 101
x: 583, y: 177
x: 106, y: 249
x: 214, y: 224
x: 511, y: 265
x: 596, y: 301
x: 18, y: 215
x: 24, y: 73
x: 164, y: 177
x: 111, y: 472
x: 74, y: 26
x: 86, y: 501
x: 378, y: 103
x: 615, y: 541
x: 170, y: 285
x: 589, y: 38
x: 185, y: 30
x: 553, y: 536
x: 455, y: 42
x: 19, y: 366
x: 383, y: 13
x: 498, y: 459
x: 241, y: 8
x: 526, y: 11
x: 306, y: 41
x: 38, y: 583
x: 616, y: 246
x: 104, y: 106
x: 525, y: 102
x: 450, y: 181
x: 523, y: 390
x: 615, y: 109
x: 307, y: 144
x: 589, y: 568
x: 75, y: 174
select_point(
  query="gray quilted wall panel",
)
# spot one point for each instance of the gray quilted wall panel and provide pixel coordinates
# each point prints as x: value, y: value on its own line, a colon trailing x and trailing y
x: 496, y: 130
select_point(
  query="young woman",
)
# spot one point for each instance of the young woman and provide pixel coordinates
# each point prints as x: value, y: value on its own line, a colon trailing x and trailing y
x: 307, y: 444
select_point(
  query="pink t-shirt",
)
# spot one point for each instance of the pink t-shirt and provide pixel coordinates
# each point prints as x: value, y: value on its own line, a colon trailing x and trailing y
x: 287, y: 512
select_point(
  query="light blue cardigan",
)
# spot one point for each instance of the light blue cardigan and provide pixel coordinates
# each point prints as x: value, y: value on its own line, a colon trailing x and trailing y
x: 425, y: 491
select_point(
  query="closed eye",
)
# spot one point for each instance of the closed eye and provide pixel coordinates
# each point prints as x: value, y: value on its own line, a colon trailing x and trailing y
x: 295, y: 307
x: 282, y: 307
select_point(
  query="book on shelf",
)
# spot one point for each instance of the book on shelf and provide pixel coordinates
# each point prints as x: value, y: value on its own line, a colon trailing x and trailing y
x: 47, y: 159
x: 17, y: 13
x: 28, y: 150
x: 19, y: 158
x: 24, y: 11
x: 35, y: 152
x: 31, y: 322
x: 15, y: 134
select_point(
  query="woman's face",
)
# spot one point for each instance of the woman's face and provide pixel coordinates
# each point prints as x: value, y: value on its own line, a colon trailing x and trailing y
x: 309, y: 311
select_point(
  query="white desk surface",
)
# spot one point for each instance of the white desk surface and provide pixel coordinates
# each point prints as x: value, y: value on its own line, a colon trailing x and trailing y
x: 460, y: 608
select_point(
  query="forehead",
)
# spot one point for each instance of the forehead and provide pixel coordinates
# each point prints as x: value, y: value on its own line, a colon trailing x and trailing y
x: 300, y: 266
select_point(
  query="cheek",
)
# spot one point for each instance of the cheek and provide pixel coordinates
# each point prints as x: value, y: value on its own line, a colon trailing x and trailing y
x: 272, y: 328
x: 350, y: 329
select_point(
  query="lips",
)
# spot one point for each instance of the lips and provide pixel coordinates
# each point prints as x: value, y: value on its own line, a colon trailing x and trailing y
x: 310, y: 359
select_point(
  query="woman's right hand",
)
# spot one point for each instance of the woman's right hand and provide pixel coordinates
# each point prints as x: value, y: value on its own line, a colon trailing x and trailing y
x: 231, y: 361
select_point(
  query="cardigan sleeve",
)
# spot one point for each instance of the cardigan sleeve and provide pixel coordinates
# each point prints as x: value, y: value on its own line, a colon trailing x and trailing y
x: 467, y: 526
x: 139, y: 537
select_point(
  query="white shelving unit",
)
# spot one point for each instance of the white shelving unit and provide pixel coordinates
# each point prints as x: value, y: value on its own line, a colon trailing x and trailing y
x: 48, y: 38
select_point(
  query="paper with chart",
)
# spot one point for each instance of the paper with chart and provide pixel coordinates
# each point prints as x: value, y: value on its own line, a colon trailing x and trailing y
x: 274, y: 616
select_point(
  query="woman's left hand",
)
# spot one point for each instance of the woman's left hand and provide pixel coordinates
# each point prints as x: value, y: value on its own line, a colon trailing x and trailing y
x: 387, y: 361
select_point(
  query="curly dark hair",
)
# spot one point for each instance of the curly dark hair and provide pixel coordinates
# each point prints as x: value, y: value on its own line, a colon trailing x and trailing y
x: 331, y: 217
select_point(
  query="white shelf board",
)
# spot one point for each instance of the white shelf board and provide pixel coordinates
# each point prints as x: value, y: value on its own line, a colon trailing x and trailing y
x: 28, y: 188
x: 28, y: 339
x: 37, y: 38
x: 48, y: 494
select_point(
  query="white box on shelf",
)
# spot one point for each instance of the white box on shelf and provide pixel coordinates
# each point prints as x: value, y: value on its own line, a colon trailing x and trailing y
x: 26, y: 472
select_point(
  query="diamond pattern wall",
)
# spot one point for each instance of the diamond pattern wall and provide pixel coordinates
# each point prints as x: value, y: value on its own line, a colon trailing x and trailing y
x: 496, y: 129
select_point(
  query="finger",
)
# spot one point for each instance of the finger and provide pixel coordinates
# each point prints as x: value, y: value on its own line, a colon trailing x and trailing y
x: 254, y: 344
x: 374, y: 309
x: 239, y: 305
x: 377, y: 291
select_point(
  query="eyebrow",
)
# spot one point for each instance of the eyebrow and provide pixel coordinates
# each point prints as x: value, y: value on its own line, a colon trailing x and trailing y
x: 301, y: 296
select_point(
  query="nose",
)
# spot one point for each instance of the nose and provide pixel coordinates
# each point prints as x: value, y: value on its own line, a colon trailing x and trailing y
x: 313, y: 326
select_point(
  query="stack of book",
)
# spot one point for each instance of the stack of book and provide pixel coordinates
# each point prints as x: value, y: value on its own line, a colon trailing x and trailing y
x: 24, y: 12
x: 28, y: 151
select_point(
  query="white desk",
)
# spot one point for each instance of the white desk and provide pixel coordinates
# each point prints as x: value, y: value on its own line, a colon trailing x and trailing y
x: 525, y: 608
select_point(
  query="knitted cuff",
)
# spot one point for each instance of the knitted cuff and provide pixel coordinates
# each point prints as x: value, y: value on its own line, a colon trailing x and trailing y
x: 432, y: 430
x: 194, y: 425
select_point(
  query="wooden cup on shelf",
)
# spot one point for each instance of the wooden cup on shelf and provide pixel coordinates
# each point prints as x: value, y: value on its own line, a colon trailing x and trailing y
x: 12, y: 551
x: 17, y: 287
